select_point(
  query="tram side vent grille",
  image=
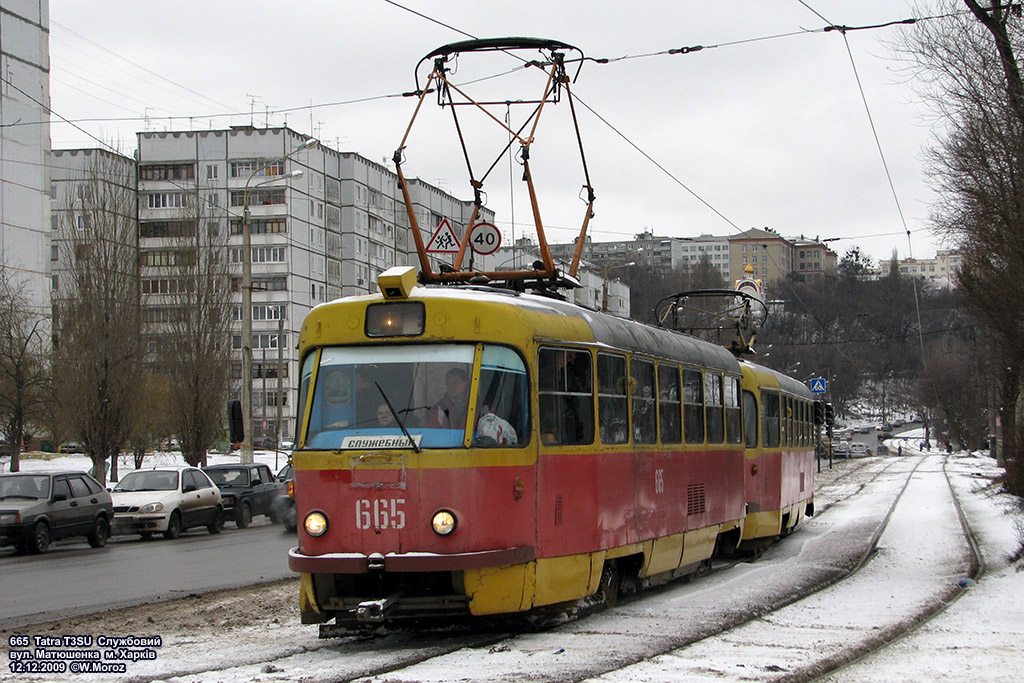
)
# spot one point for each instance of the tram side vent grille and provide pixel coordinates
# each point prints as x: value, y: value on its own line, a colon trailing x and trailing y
x: 695, y: 502
x: 558, y: 510
x: 801, y: 482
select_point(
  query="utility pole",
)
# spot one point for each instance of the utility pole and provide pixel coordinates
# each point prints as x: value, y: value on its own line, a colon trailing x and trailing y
x: 247, y: 291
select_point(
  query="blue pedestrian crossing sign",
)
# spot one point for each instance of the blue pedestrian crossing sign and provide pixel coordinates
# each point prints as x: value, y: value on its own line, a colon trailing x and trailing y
x: 819, y: 385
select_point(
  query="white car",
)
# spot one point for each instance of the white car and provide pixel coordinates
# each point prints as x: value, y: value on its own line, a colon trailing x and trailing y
x: 166, y: 500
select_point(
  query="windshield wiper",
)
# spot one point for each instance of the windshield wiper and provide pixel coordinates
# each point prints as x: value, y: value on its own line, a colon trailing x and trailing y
x: 394, y: 414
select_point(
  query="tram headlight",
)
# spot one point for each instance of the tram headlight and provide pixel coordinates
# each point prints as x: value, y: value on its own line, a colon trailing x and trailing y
x: 315, y: 524
x: 443, y: 522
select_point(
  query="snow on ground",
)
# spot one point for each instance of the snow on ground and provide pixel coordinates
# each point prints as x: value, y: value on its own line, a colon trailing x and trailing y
x: 38, y: 461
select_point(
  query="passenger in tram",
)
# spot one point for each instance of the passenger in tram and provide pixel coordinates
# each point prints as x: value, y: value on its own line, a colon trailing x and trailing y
x: 384, y: 416
x: 450, y: 411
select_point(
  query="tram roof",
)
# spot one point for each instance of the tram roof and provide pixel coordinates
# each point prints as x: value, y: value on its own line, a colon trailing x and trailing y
x: 608, y: 330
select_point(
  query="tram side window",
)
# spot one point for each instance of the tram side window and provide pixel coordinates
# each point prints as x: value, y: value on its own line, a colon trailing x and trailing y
x: 803, y: 423
x: 693, y: 406
x: 305, y: 376
x: 713, y: 403
x: 785, y: 423
x: 669, y: 404
x: 502, y: 399
x: 750, y: 419
x: 733, y: 419
x: 770, y: 419
x: 566, y: 396
x: 611, y: 398
x: 645, y: 421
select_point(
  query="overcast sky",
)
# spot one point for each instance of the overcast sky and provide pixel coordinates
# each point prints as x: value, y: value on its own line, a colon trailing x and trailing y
x: 765, y: 127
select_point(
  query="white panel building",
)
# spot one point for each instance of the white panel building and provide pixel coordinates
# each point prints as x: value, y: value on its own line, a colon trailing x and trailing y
x: 24, y: 144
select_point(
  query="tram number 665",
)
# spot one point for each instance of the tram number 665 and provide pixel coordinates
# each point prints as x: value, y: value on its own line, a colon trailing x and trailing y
x: 380, y: 514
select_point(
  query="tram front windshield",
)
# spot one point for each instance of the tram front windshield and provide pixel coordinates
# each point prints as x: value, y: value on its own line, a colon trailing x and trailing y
x: 365, y: 395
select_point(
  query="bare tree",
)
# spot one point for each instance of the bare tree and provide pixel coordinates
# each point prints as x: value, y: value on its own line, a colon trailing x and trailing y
x: 195, y: 333
x: 97, y: 350
x: 151, y: 423
x: 24, y: 371
x: 967, y: 69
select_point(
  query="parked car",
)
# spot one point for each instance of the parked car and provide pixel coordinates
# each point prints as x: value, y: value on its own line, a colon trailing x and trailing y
x: 247, y: 491
x: 264, y: 442
x: 166, y: 500
x: 287, y: 445
x: 39, y: 507
x: 841, y: 449
x: 70, y: 447
x: 286, y: 503
x: 859, y: 450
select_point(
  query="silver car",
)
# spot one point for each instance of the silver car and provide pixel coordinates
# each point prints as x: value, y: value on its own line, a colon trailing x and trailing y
x: 166, y: 500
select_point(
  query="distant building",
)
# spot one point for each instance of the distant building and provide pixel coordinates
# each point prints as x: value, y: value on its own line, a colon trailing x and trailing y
x: 769, y: 253
x: 812, y: 259
x: 599, y: 288
x: 663, y: 253
x: 943, y: 268
x: 25, y: 223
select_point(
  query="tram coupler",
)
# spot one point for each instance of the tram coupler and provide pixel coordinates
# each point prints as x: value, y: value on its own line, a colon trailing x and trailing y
x: 374, y: 611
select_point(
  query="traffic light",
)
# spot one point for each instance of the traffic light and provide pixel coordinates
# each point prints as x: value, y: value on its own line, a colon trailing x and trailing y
x: 830, y: 415
x: 819, y: 412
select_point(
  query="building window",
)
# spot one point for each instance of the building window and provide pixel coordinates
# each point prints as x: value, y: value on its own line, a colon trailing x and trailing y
x: 259, y: 197
x: 244, y: 169
x: 212, y: 171
x: 167, y: 229
x: 165, y: 200
x: 167, y: 172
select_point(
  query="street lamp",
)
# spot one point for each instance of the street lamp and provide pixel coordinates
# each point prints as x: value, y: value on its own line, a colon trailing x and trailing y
x: 247, y: 293
x: 604, y: 282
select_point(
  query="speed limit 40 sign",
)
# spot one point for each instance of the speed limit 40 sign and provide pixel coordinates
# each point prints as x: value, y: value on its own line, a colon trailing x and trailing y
x: 484, y: 239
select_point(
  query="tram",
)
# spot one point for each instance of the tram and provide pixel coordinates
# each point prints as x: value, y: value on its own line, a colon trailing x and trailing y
x: 472, y: 443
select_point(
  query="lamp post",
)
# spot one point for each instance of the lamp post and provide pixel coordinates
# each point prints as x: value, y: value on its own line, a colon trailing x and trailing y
x: 604, y: 282
x: 247, y: 293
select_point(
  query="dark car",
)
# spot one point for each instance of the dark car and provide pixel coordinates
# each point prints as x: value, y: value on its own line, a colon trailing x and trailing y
x: 247, y: 490
x: 286, y: 502
x: 39, y: 507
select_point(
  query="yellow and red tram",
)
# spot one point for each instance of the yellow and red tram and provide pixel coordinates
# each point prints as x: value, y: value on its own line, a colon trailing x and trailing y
x: 474, y: 450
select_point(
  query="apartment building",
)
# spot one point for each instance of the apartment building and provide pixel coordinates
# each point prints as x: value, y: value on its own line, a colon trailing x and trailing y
x: 314, y: 237
x: 24, y: 144
x: 76, y: 176
x: 943, y: 268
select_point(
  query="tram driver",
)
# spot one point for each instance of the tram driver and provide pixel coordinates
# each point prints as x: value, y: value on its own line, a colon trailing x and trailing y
x: 450, y: 411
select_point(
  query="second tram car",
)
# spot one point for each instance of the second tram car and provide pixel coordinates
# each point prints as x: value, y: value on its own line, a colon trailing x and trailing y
x: 474, y: 450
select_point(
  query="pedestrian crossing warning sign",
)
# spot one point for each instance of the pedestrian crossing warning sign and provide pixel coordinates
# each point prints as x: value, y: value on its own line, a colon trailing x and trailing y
x: 819, y: 385
x: 444, y: 240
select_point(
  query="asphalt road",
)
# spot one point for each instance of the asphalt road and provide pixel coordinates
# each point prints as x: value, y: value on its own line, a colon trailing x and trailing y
x: 71, y: 578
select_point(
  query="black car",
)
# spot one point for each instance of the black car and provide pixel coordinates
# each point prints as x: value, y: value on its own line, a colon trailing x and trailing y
x: 39, y: 507
x: 286, y: 503
x: 247, y: 490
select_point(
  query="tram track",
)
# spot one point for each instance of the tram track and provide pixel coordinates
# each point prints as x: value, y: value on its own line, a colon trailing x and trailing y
x: 775, y: 646
x: 505, y: 652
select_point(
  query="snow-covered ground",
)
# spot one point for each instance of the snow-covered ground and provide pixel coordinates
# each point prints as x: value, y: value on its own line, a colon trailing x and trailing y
x: 978, y: 637
x: 36, y: 461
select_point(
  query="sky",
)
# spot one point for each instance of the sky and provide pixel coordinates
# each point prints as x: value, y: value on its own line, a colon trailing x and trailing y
x: 764, y: 127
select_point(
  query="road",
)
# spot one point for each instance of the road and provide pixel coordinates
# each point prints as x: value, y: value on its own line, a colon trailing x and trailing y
x: 71, y: 578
